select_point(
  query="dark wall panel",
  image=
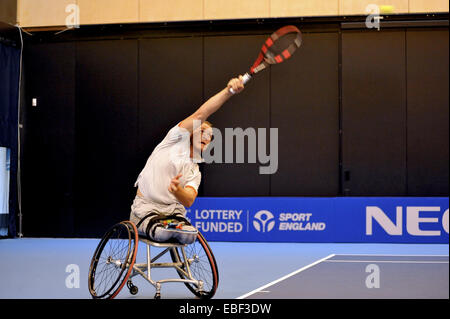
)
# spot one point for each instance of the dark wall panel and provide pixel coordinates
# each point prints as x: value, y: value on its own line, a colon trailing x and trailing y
x: 374, y: 113
x: 225, y: 58
x: 103, y: 105
x: 49, y: 141
x: 428, y: 103
x: 106, y: 133
x: 170, y: 88
x: 305, y: 109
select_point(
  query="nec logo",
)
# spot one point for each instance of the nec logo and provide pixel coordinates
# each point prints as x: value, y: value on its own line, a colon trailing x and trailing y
x: 413, y: 220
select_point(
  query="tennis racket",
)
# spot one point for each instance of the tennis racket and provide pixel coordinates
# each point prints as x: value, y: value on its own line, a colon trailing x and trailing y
x: 279, y: 47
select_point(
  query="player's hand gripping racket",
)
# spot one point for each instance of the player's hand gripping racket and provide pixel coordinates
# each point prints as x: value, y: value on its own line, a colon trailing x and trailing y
x: 277, y: 48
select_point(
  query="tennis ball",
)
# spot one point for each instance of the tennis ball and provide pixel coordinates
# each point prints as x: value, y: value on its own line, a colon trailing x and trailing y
x: 387, y: 9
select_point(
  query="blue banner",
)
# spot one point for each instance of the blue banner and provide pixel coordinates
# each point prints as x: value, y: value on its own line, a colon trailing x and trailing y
x: 337, y: 219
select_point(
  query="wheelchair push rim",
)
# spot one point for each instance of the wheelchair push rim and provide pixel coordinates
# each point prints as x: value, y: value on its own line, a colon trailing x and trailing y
x: 113, y: 261
x: 202, y: 264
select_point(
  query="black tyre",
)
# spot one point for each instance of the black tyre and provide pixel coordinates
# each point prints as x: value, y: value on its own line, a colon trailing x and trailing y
x: 113, y: 260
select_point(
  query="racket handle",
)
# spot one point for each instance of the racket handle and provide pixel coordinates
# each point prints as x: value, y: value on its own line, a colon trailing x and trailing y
x: 245, y: 78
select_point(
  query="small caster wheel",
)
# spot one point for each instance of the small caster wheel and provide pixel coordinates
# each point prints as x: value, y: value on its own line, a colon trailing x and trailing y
x: 157, y: 296
x: 134, y: 290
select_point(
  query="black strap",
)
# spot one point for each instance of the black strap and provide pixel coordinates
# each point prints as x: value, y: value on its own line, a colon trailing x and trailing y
x: 149, y: 215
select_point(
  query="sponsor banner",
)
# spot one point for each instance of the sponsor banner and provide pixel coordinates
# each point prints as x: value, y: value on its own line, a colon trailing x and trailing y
x: 392, y: 219
x: 263, y: 219
x: 340, y: 219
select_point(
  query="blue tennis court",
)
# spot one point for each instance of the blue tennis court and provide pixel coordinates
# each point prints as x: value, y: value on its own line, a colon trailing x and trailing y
x: 363, y: 276
x: 47, y: 268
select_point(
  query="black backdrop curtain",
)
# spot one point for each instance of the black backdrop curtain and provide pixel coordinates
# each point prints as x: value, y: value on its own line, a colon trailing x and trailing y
x: 9, y: 90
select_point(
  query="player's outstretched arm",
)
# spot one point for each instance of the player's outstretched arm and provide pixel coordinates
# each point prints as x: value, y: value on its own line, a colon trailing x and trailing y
x: 214, y: 103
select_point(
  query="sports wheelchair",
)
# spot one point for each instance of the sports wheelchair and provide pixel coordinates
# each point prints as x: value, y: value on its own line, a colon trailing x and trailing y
x: 114, y: 264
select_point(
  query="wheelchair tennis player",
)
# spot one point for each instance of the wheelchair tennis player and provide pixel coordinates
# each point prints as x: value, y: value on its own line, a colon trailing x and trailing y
x: 170, y: 179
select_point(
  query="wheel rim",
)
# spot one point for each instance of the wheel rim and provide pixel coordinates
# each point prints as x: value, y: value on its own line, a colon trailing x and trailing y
x: 107, y: 272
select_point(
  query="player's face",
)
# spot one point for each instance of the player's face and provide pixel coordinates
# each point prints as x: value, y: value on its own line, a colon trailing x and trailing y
x: 205, y: 132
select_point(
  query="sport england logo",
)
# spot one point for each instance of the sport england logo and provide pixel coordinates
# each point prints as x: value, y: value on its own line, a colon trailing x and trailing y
x: 264, y: 221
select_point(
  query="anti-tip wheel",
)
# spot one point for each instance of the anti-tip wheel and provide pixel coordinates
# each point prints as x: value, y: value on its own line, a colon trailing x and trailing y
x: 134, y: 290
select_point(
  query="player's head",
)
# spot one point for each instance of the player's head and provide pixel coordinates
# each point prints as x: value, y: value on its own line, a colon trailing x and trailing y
x: 205, y: 132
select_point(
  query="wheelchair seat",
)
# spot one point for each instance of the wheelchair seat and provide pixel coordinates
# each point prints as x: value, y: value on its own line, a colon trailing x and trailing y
x: 172, y: 242
x: 173, y: 228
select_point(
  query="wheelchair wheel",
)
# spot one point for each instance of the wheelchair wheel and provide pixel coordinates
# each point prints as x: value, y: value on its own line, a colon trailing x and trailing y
x: 202, y: 264
x: 113, y: 260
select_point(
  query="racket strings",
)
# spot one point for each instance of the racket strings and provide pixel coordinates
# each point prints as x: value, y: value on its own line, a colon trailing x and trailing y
x: 280, y: 46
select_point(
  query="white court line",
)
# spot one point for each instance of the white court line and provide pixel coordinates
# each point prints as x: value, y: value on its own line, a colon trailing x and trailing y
x: 284, y: 277
x: 387, y: 261
x: 391, y: 255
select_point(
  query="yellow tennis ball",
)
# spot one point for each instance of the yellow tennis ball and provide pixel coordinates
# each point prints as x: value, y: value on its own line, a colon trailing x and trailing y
x: 387, y: 9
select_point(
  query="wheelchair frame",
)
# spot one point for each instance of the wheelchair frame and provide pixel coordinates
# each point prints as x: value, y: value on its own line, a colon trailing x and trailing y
x: 181, y: 262
x: 139, y: 269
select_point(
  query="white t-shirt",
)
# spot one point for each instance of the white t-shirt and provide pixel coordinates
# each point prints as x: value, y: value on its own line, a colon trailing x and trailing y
x: 169, y: 158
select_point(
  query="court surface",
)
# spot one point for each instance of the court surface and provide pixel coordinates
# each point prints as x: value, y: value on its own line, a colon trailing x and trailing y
x: 363, y: 276
x: 47, y: 268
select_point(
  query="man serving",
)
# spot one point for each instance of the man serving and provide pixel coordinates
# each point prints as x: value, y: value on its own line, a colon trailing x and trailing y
x: 170, y: 179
